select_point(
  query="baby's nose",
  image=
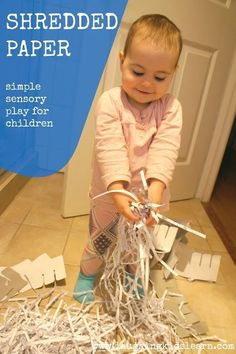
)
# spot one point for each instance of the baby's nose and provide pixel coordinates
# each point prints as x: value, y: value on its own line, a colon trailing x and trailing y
x: 146, y: 83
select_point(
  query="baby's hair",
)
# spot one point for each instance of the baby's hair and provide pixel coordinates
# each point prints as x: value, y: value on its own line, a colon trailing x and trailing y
x: 159, y: 30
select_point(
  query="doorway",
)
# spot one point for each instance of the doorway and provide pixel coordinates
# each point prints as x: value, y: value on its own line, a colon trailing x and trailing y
x: 222, y: 206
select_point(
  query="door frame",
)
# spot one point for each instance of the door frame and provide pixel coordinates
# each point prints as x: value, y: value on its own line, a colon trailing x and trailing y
x: 220, y: 137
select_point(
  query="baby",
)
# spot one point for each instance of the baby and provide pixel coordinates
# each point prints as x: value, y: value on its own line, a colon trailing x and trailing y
x: 138, y: 127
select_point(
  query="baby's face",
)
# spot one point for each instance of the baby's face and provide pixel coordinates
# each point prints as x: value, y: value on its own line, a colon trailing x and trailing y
x: 147, y: 72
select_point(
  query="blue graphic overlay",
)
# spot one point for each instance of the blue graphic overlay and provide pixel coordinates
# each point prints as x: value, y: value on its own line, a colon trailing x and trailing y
x: 52, y: 56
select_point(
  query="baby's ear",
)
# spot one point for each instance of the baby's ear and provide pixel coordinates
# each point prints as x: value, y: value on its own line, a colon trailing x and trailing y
x: 122, y: 57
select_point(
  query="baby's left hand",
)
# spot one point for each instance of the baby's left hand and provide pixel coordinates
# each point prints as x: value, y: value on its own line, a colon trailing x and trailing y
x: 155, y: 192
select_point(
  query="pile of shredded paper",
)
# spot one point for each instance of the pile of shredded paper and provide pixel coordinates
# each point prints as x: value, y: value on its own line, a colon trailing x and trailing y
x: 130, y: 317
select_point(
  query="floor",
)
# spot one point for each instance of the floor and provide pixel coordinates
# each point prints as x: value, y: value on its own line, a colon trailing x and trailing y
x: 32, y: 225
x: 222, y: 206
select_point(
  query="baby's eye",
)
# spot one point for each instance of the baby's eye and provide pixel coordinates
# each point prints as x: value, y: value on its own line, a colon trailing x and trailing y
x: 137, y: 73
x: 159, y: 78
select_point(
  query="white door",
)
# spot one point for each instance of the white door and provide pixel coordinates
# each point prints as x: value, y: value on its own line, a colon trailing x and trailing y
x: 209, y: 32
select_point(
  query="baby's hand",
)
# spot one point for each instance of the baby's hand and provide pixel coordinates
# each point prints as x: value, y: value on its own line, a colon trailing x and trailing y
x: 155, y: 192
x: 122, y: 202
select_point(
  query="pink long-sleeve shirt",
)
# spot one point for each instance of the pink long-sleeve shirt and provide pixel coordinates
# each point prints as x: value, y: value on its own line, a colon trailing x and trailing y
x: 128, y: 140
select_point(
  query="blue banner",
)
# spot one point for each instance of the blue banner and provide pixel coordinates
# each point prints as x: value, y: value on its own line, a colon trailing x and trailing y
x: 52, y: 56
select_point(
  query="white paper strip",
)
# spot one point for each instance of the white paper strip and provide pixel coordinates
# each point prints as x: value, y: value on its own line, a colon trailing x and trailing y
x: 201, y: 267
x: 164, y: 237
x: 59, y: 268
x: 181, y: 226
x: 41, y: 271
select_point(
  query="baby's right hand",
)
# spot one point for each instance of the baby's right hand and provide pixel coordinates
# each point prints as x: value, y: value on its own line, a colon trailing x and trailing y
x: 122, y: 202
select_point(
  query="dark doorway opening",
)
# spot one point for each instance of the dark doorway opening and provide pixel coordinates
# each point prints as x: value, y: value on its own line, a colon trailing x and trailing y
x: 221, y: 209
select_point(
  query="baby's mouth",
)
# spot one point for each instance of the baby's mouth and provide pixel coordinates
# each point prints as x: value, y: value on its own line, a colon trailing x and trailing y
x: 144, y: 92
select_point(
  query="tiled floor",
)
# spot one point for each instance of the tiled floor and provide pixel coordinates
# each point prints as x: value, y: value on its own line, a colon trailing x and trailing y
x: 32, y: 225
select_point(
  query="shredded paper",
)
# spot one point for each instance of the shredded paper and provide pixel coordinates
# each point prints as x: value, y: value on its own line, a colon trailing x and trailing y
x: 128, y: 315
